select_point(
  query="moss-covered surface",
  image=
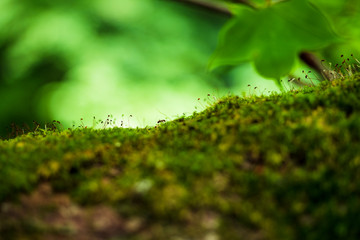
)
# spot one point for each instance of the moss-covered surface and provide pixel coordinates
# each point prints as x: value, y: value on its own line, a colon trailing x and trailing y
x: 285, y: 166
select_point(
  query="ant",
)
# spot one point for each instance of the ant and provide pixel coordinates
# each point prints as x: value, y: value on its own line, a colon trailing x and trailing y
x: 161, y: 121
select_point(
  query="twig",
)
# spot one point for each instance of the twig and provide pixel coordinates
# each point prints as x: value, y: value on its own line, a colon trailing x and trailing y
x: 206, y: 6
x: 312, y: 61
x: 217, y: 8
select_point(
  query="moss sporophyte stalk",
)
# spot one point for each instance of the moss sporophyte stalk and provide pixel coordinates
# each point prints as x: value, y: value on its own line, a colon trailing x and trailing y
x: 282, y: 166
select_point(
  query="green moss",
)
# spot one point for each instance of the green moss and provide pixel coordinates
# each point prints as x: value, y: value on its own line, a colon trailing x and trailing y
x: 284, y: 166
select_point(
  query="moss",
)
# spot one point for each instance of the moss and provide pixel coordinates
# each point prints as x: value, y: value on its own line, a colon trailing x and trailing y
x: 284, y: 166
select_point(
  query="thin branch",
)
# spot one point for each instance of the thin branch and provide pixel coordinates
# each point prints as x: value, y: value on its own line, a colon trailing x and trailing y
x: 217, y: 8
x: 244, y: 2
x: 212, y: 6
x: 312, y: 61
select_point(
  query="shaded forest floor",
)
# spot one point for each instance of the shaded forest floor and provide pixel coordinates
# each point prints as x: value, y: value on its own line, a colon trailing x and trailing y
x: 284, y: 166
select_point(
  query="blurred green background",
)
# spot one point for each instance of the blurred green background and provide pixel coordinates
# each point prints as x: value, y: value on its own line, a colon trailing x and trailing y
x: 67, y: 60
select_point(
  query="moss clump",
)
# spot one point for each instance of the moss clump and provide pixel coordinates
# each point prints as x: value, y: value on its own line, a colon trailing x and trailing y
x: 284, y: 166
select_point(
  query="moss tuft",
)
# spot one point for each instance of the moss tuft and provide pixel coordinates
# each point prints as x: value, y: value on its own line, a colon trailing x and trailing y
x: 284, y: 166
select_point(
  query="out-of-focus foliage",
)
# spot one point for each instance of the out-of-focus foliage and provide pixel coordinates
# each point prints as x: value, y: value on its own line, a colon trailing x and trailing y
x: 345, y: 17
x: 272, y: 35
x: 72, y: 59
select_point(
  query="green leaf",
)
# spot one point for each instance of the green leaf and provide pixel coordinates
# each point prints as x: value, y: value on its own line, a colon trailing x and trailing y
x: 272, y: 37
